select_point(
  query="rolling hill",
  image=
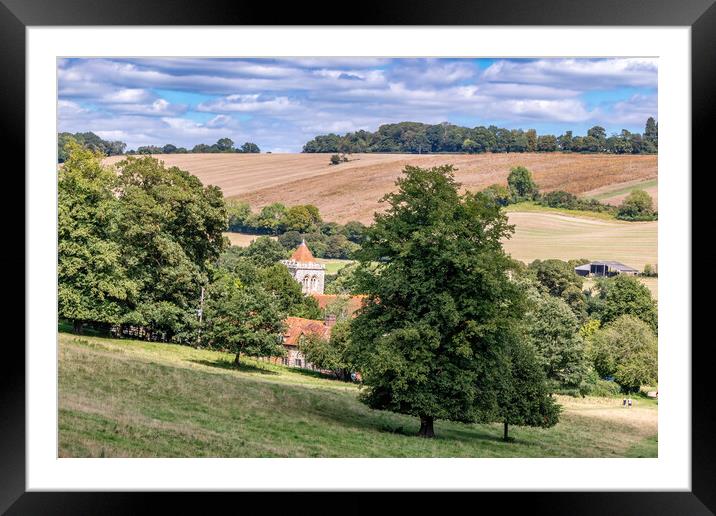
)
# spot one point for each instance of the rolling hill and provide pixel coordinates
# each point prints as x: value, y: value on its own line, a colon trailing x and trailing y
x: 351, y: 191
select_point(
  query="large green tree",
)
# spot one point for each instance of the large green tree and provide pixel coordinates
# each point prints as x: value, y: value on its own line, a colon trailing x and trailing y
x: 521, y: 185
x: 244, y: 319
x: 554, y: 330
x: 170, y: 230
x: 523, y: 395
x: 93, y: 280
x: 626, y: 349
x: 441, y: 307
x: 625, y: 295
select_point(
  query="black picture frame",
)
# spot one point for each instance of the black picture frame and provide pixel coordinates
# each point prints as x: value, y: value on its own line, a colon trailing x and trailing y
x: 700, y: 15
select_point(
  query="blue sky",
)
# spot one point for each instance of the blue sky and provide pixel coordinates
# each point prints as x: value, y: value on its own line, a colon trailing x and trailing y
x: 281, y: 103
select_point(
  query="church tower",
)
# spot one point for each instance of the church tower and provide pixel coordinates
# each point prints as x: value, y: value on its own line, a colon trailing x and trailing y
x: 306, y: 270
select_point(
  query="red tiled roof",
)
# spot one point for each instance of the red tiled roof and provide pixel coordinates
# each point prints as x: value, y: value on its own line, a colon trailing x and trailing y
x: 297, y: 326
x: 303, y: 254
x: 355, y: 303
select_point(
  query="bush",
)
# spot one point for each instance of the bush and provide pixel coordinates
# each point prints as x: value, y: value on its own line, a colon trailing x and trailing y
x: 498, y: 193
x: 649, y: 271
x: 638, y: 206
x: 335, y: 159
x: 560, y: 199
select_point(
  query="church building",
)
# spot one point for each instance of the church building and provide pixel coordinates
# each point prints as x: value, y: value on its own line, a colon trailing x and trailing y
x: 306, y: 270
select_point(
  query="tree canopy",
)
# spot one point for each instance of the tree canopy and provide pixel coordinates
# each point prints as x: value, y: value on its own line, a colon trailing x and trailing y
x: 419, y: 138
x: 441, y: 309
x: 626, y: 349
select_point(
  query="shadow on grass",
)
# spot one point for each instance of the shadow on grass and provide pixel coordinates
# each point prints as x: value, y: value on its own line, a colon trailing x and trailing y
x: 229, y: 364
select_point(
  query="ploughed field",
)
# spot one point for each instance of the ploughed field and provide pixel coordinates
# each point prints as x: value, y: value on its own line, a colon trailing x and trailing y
x: 125, y: 398
x: 351, y: 191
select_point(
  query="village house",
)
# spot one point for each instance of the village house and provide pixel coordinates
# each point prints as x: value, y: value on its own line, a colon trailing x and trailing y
x: 605, y: 268
x: 297, y: 329
x: 311, y: 275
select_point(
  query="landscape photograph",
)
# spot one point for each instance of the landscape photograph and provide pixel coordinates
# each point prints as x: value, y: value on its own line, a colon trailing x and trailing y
x: 332, y: 257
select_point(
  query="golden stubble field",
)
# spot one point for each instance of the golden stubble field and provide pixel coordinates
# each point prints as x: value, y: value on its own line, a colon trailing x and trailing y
x: 550, y: 235
x: 351, y: 191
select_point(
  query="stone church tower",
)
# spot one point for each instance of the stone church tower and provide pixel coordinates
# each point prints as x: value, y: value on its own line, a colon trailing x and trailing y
x: 307, y: 271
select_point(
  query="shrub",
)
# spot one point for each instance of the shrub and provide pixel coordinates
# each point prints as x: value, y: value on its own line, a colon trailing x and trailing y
x: 637, y: 206
x: 335, y: 159
x: 498, y: 193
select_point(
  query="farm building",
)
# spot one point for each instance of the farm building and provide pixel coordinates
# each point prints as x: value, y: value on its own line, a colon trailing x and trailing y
x: 606, y: 268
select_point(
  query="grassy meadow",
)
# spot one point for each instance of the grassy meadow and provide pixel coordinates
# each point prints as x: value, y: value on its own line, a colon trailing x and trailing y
x: 125, y: 398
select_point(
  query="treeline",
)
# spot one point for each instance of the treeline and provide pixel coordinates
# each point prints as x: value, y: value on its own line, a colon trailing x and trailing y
x: 296, y: 223
x: 417, y: 138
x: 223, y: 145
x: 91, y: 141
x: 141, y: 253
x: 638, y: 206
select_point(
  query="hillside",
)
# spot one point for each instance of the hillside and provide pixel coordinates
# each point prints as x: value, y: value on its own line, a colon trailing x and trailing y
x: 123, y: 398
x: 541, y: 235
x: 350, y: 191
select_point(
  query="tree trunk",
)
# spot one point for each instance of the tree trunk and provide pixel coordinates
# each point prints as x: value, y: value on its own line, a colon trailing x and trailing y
x: 506, y: 436
x: 237, y: 359
x: 426, y: 427
x: 77, y: 326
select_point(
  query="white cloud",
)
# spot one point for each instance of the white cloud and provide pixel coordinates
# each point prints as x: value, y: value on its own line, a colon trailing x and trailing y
x: 248, y: 103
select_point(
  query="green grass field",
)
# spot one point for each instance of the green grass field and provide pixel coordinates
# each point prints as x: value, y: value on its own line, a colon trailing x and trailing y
x: 607, y: 193
x: 333, y: 265
x: 533, y: 207
x: 123, y: 398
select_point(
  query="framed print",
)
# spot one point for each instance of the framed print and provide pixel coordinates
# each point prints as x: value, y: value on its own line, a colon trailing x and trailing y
x: 438, y: 249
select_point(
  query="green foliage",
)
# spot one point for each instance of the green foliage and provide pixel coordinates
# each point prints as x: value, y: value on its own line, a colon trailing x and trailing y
x: 250, y: 148
x: 523, y: 396
x: 135, y: 243
x: 417, y: 138
x: 300, y: 218
x: 335, y: 159
x: 89, y: 141
x: 625, y: 295
x: 332, y: 354
x: 277, y: 280
x: 239, y: 213
x: 637, y: 206
x: 344, y: 281
x: 521, y: 185
x: 626, y: 349
x: 554, y: 330
x: 440, y: 306
x: 354, y: 231
x: 171, y: 230
x: 555, y: 276
x: 271, y: 217
x: 93, y: 280
x: 265, y: 251
x: 290, y: 240
x: 498, y: 193
x: 649, y: 271
x: 243, y: 319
